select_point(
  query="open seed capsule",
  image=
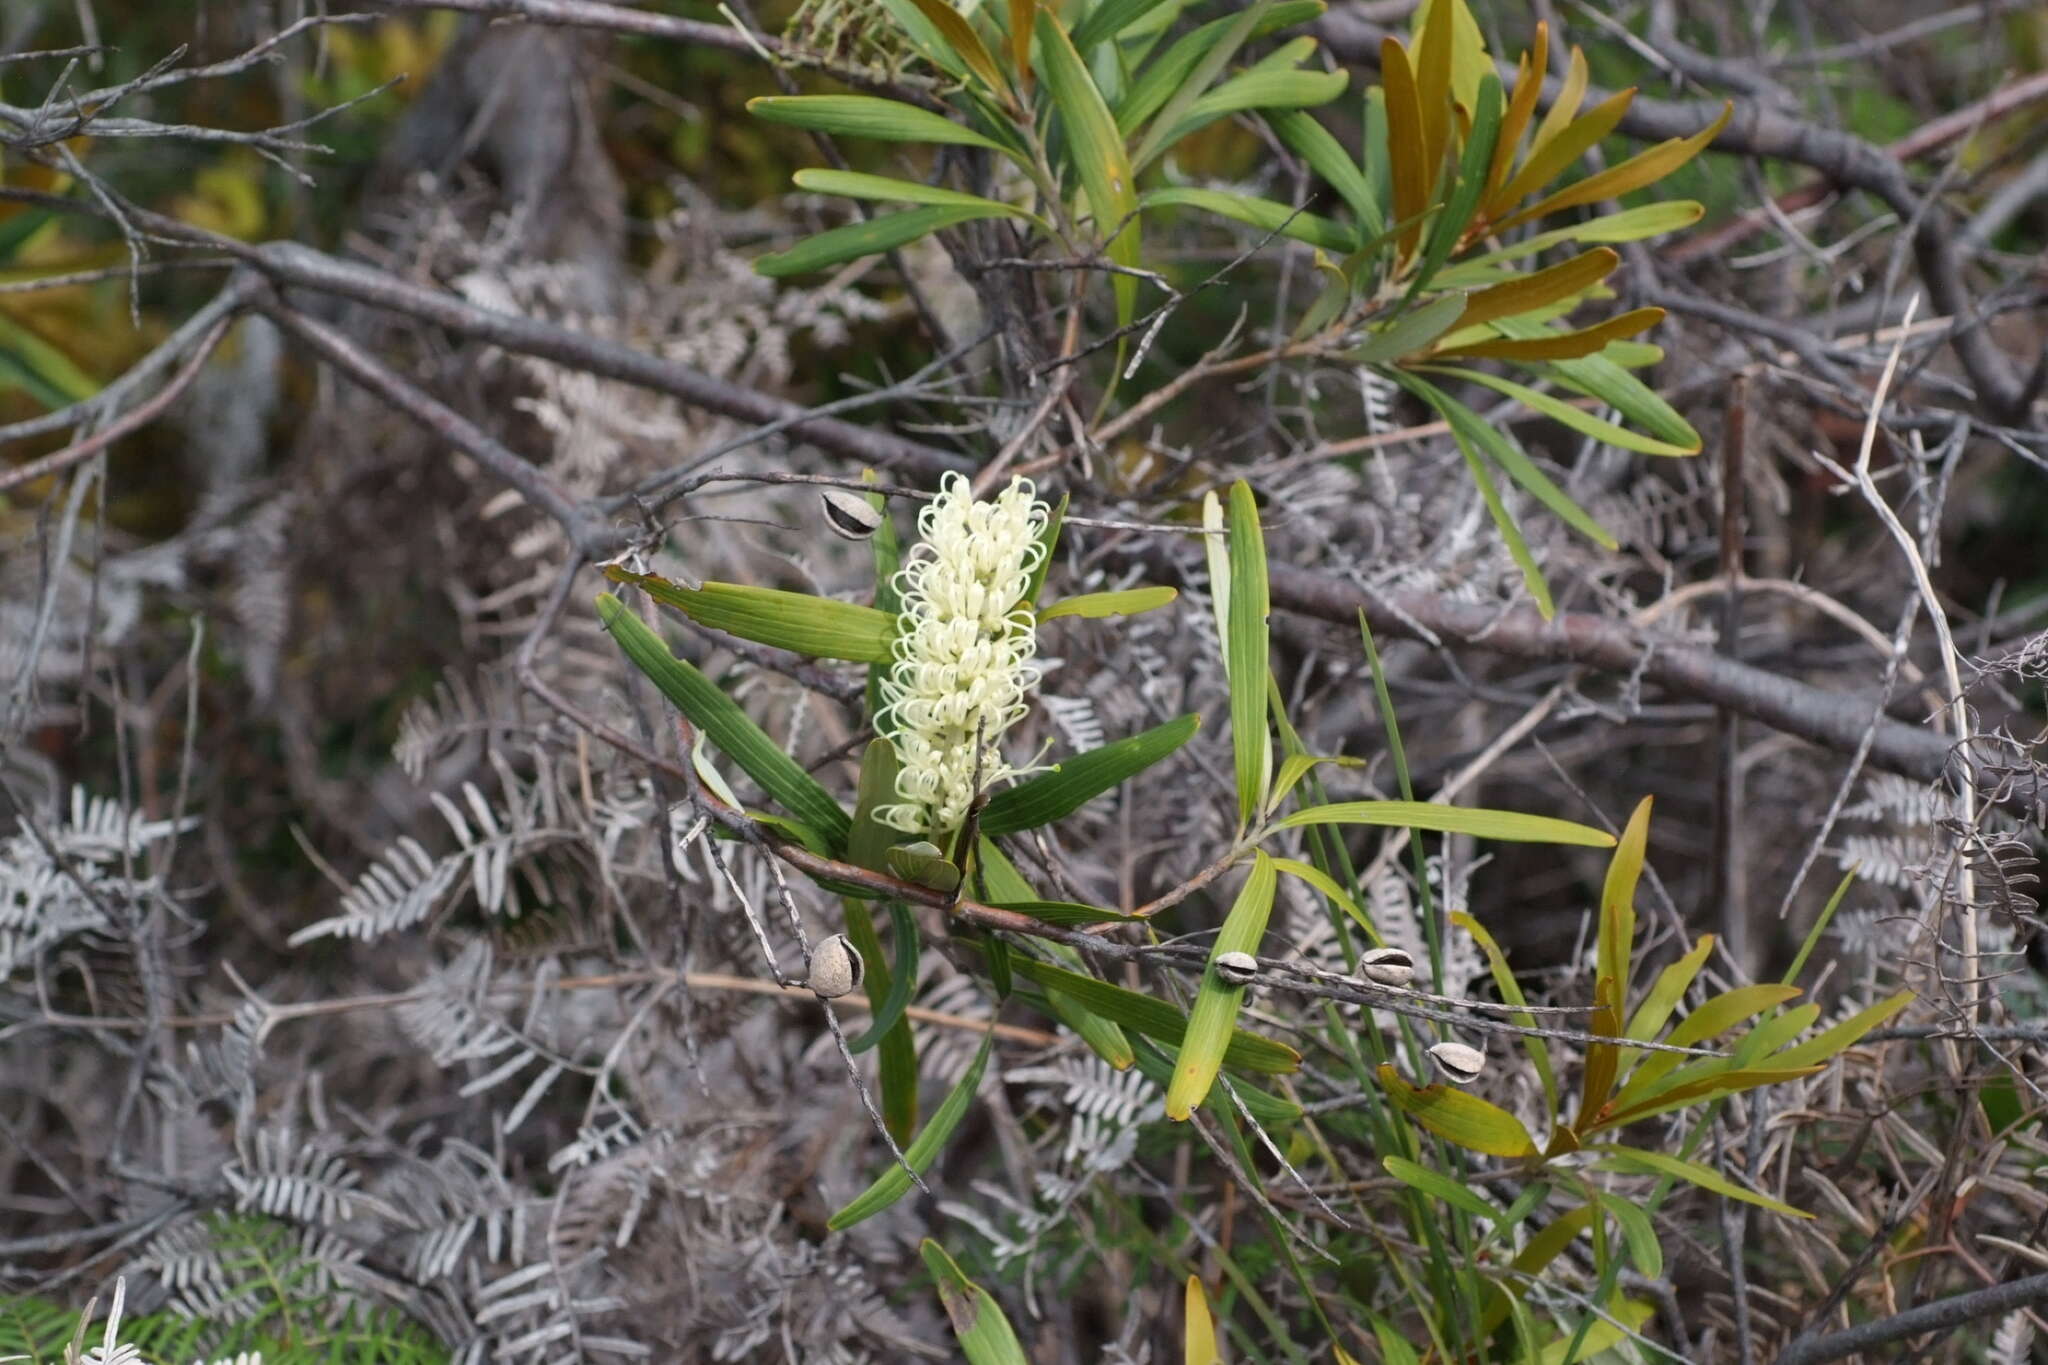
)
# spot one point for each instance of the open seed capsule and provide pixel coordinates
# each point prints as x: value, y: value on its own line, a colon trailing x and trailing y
x: 849, y: 514
x: 1387, y: 967
x: 836, y: 968
x: 1459, y: 1063
x: 1237, y: 969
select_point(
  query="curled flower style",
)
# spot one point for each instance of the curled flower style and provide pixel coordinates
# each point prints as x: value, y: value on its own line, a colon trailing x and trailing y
x: 964, y: 642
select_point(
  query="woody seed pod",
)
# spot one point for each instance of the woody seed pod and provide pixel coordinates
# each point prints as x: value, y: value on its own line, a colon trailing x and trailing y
x: 1459, y: 1063
x: 1237, y: 969
x: 1387, y: 967
x: 836, y: 968
x: 849, y: 514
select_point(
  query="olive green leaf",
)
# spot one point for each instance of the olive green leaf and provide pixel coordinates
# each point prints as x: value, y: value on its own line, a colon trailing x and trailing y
x: 818, y: 626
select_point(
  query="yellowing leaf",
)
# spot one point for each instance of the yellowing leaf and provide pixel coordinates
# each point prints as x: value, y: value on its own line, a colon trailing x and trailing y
x: 1096, y: 605
x: 1407, y: 148
x: 1561, y: 151
x: 1200, y: 1327
x: 1565, y: 107
x: 1469, y: 62
x: 955, y: 29
x: 1529, y: 73
x: 1459, y: 1117
x: 1645, y: 168
x: 1560, y: 345
x: 1618, y: 899
x: 1526, y: 292
x: 1484, y: 824
x: 1432, y: 59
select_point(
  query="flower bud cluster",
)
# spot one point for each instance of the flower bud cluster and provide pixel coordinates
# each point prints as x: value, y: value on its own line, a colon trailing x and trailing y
x: 964, y: 643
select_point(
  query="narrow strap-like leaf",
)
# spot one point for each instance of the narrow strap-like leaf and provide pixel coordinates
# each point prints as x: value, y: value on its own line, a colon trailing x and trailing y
x: 866, y: 116
x: 819, y: 626
x: 855, y: 240
x: 893, y: 1183
x: 1057, y: 794
x: 720, y: 717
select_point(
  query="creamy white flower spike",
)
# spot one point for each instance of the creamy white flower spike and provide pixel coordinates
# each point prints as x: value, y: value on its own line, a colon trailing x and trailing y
x: 964, y: 644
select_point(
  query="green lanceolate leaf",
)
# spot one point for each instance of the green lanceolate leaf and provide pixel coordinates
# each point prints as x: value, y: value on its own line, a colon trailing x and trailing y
x: 1511, y: 992
x: 855, y: 240
x: 888, y: 190
x: 1826, y: 1045
x: 1247, y: 651
x: 720, y: 717
x: 1411, y: 332
x: 1214, y: 1016
x: 818, y: 626
x: 1263, y: 214
x: 985, y: 1335
x: 1576, y: 418
x: 1455, y: 1116
x: 1512, y: 826
x: 1448, y: 228
x: 1630, y: 225
x: 870, y: 840
x: 892, y: 983
x: 866, y: 116
x: 1327, y: 158
x: 1156, y: 1018
x: 1057, y: 794
x: 1174, y: 69
x: 1256, y: 89
x: 1440, y: 1187
x: 1617, y: 934
x: 1706, y: 1177
x: 1476, y: 432
x: 893, y: 1183
x: 1094, y: 606
x: 1100, y: 157
x: 1326, y: 884
x: 1107, y: 20
x: 1199, y: 78
x: 1269, y: 1110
